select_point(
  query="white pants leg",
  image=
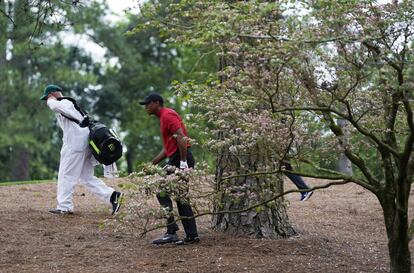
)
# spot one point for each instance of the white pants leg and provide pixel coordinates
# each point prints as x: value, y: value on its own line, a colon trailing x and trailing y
x: 91, y: 182
x: 70, y: 169
x: 110, y: 171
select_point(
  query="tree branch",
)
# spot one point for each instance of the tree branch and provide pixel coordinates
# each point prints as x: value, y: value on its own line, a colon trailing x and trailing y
x: 251, y: 207
x: 354, y: 158
x: 332, y: 175
x: 362, y: 183
x: 409, y: 144
x: 377, y: 51
x: 343, y: 38
x: 283, y: 39
x: 8, y: 17
x: 350, y: 119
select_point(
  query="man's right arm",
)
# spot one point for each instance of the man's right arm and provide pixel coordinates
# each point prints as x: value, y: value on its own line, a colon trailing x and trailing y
x: 161, y: 156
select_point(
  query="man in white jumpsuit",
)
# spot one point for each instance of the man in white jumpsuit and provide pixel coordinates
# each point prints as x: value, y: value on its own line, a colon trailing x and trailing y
x: 76, y: 160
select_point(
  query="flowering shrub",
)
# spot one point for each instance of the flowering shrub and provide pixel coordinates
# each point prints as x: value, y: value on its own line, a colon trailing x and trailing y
x: 141, y: 211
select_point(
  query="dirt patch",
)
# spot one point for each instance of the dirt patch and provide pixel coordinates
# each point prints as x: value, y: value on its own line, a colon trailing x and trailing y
x: 340, y: 230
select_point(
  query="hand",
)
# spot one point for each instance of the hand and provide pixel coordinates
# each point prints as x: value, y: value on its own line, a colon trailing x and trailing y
x: 85, y: 122
x: 50, y: 97
x: 183, y: 165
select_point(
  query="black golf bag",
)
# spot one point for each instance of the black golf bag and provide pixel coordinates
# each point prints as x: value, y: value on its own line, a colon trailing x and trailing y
x: 105, y: 144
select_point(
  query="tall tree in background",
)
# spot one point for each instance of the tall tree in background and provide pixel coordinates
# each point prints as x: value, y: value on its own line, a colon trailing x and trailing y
x: 3, y: 48
x: 16, y: 92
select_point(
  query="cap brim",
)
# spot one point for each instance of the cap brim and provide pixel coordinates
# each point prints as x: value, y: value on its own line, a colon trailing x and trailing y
x: 143, y: 102
x: 43, y: 97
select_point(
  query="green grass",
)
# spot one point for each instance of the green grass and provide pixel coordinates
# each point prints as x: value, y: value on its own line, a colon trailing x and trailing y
x: 25, y: 182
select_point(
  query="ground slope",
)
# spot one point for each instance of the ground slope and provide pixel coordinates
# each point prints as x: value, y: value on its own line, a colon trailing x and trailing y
x: 340, y: 230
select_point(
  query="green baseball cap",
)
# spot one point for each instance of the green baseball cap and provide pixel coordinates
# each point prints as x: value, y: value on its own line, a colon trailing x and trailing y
x: 50, y: 89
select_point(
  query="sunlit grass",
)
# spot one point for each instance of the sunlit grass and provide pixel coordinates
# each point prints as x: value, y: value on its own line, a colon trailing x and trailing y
x: 13, y: 183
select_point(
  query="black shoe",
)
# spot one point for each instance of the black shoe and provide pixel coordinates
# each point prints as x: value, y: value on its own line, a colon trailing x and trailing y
x: 59, y: 211
x: 172, y: 228
x: 116, y: 201
x: 166, y: 239
x: 306, y: 195
x: 188, y: 241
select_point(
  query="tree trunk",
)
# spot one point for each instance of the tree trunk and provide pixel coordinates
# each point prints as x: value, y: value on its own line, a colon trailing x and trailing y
x: 3, y: 51
x: 130, y: 158
x: 3, y: 40
x: 268, y: 221
x: 20, y: 167
x: 22, y: 29
x: 344, y: 164
x: 396, y: 223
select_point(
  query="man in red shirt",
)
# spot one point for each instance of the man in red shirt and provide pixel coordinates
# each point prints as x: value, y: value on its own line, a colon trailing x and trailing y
x: 177, y: 149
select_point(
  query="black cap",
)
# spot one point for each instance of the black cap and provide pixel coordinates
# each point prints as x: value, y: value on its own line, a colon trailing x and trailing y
x: 152, y: 97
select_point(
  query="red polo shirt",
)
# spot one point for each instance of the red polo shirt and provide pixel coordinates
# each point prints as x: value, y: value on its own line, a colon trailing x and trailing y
x: 170, y: 122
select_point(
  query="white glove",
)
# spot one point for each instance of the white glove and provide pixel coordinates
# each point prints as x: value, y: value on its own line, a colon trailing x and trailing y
x: 183, y: 165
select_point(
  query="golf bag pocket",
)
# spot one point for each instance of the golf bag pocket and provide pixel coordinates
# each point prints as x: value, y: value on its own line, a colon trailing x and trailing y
x: 104, y: 143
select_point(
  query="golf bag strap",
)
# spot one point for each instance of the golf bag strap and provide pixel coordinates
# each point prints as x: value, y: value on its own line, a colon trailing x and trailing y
x: 82, y: 112
x: 72, y: 119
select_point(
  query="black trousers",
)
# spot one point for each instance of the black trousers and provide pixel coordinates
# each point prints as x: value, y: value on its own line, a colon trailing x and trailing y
x: 296, y: 179
x: 184, y: 209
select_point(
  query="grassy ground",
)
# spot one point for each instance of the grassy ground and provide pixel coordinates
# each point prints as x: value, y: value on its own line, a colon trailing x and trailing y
x: 25, y: 182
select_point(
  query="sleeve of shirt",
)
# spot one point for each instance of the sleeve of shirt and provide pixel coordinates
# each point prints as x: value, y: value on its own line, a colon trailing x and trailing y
x: 64, y: 107
x: 173, y: 123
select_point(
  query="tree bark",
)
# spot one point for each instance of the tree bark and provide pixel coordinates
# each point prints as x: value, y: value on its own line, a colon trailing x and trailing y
x: 20, y: 167
x: 130, y: 159
x: 3, y: 54
x: 19, y: 63
x: 268, y: 221
x: 396, y: 223
x: 344, y: 164
x: 3, y: 40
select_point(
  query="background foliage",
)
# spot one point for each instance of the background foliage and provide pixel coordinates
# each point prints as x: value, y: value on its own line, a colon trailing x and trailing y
x: 34, y: 53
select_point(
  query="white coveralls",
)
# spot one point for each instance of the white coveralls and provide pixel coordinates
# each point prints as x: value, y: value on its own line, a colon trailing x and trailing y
x: 76, y: 160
